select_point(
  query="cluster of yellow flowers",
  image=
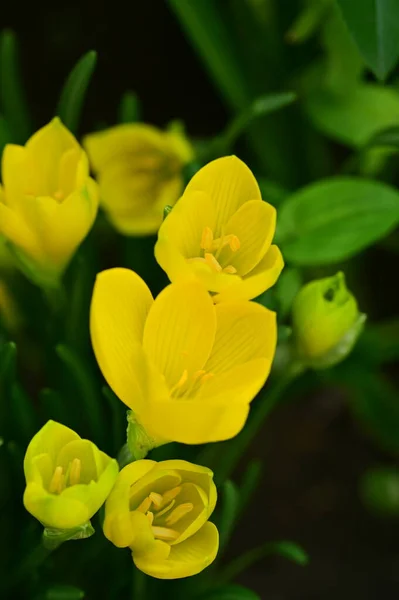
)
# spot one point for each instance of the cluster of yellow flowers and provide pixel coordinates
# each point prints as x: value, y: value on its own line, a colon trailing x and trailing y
x: 187, y: 363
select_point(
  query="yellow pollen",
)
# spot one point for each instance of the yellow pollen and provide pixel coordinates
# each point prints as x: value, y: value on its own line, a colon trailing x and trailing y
x: 145, y: 505
x: 198, y: 374
x: 74, y: 475
x: 171, y: 494
x: 212, y: 262
x: 179, y: 512
x: 59, y: 195
x: 230, y: 269
x: 207, y: 377
x: 164, y: 533
x: 156, y: 499
x: 57, y: 483
x: 166, y: 509
x: 150, y: 517
x: 207, y: 239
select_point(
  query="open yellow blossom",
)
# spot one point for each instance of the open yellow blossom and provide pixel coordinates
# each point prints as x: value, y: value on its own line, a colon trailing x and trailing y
x: 220, y: 232
x: 139, y: 169
x: 187, y: 368
x: 48, y: 202
x: 161, y: 511
x: 67, y: 478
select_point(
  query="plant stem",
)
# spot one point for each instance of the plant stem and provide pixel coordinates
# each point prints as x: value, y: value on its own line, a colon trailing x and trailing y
x: 138, y: 585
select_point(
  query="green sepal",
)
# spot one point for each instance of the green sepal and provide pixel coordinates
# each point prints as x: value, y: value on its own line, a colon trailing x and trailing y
x: 52, y: 538
x: 138, y: 440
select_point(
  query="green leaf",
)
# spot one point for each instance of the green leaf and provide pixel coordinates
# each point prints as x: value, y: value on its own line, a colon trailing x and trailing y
x: 374, y: 25
x: 12, y: 97
x: 353, y: 118
x: 249, y: 483
x: 388, y: 138
x: 129, y: 108
x: 288, y: 550
x: 74, y: 91
x: 5, y: 134
x: 379, y: 488
x: 288, y: 285
x: 64, y: 592
x: 229, y: 511
x: 332, y: 220
x: 230, y: 592
x: 379, y: 342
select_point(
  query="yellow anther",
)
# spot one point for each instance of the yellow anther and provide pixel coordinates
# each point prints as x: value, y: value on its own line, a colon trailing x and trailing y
x: 145, y: 505
x: 164, y: 533
x: 207, y: 377
x: 74, y: 474
x: 234, y: 243
x: 166, y: 509
x: 156, y: 499
x: 150, y: 517
x: 207, y: 239
x: 171, y: 494
x: 179, y: 512
x: 198, y: 374
x: 183, y: 379
x: 59, y: 195
x: 212, y: 262
x: 57, y: 483
x: 230, y: 269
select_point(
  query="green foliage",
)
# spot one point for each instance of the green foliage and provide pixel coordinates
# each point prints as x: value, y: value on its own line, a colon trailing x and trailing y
x: 374, y: 25
x: 332, y: 220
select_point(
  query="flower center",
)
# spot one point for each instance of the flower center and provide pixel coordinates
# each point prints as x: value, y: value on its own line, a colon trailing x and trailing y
x: 212, y: 247
x: 162, y: 513
x: 61, y: 480
x: 186, y: 384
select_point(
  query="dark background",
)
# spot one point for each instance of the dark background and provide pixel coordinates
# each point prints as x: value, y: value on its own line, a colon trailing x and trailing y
x: 313, y: 451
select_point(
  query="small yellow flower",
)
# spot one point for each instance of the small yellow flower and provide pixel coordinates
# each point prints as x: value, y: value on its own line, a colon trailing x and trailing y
x: 326, y: 321
x: 220, y: 232
x: 48, y: 202
x: 67, y: 479
x: 161, y: 511
x: 139, y: 170
x: 187, y: 368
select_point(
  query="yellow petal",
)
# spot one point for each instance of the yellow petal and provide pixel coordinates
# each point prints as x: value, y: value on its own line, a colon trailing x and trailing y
x: 16, y: 230
x: 54, y: 510
x: 260, y: 279
x: 188, y: 558
x: 49, y: 440
x: 120, y: 304
x: 245, y: 331
x: 189, y: 524
x: 193, y: 421
x: 86, y: 452
x: 254, y: 224
x: 19, y: 175
x: 229, y: 183
x: 180, y: 330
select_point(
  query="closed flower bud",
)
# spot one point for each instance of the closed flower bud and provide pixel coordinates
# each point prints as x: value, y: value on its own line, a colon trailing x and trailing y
x: 67, y: 478
x: 48, y: 202
x: 161, y: 511
x: 326, y: 321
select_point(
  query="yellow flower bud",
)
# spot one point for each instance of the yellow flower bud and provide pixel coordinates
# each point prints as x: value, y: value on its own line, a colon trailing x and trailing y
x: 161, y: 511
x: 67, y: 479
x: 48, y: 202
x: 326, y: 321
x: 140, y: 171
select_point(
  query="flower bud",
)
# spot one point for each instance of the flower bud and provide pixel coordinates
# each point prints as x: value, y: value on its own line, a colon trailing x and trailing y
x: 326, y: 322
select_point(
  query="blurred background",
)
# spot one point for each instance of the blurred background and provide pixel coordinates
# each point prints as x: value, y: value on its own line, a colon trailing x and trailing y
x: 320, y: 443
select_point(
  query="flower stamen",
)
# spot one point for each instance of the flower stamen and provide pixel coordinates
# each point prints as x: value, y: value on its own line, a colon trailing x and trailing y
x: 74, y: 475
x: 57, y: 483
x: 164, y: 533
x: 179, y: 512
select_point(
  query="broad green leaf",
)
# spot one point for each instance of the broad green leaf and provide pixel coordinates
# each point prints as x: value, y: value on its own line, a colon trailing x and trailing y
x: 332, y: 220
x: 12, y: 97
x: 230, y: 592
x: 353, y: 118
x: 129, y: 108
x: 288, y: 550
x: 74, y: 91
x: 288, y: 285
x: 388, y: 137
x: 374, y: 25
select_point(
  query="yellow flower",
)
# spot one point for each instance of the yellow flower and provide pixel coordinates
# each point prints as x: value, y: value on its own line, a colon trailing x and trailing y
x: 220, y: 232
x: 48, y: 202
x: 186, y: 367
x: 326, y: 321
x: 161, y: 511
x: 67, y: 479
x: 139, y: 170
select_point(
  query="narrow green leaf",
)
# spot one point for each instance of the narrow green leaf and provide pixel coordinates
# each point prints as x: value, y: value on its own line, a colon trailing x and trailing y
x: 53, y: 406
x: 8, y: 355
x: 129, y: 110
x: 74, y: 91
x: 288, y: 285
x: 64, y: 592
x: 374, y: 25
x: 230, y: 592
x: 5, y: 134
x: 229, y: 511
x: 332, y: 220
x: 24, y: 417
x: 249, y: 483
x: 12, y: 98
x: 242, y: 563
x: 118, y: 419
x: 388, y: 137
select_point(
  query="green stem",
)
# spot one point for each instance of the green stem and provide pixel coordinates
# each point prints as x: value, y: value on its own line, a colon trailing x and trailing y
x: 262, y: 409
x: 138, y: 585
x: 34, y: 560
